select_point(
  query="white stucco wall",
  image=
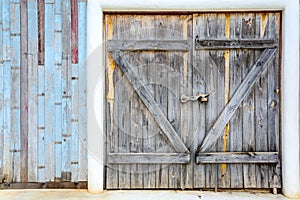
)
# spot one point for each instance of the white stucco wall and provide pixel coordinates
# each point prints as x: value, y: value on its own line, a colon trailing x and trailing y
x: 290, y: 76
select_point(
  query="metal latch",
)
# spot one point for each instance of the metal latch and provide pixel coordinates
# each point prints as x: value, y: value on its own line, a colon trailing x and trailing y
x: 200, y: 97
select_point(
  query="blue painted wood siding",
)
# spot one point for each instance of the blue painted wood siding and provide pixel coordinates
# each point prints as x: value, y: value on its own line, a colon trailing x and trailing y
x: 43, y: 91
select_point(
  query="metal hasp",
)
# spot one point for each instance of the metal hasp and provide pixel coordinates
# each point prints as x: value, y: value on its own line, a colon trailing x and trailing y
x: 200, y: 97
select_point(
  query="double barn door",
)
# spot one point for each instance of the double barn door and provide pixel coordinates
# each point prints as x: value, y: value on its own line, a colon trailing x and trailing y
x: 192, y: 100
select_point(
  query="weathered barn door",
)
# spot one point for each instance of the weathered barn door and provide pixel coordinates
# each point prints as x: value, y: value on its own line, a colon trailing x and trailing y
x: 192, y: 100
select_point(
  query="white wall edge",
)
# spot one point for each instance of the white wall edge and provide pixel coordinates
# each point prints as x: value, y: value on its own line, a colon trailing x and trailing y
x: 290, y: 76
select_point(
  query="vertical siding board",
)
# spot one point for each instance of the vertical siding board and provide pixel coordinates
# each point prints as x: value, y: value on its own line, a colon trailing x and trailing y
x: 6, y: 86
x: 15, y: 145
x: 1, y: 33
x: 41, y: 31
x: 49, y: 94
x: 24, y: 91
x: 66, y: 111
x: 58, y: 90
x: 1, y: 113
x: 41, y: 91
x: 74, y: 90
x: 41, y: 123
x: 74, y: 122
x: 74, y: 30
x: 32, y: 21
x: 1, y: 94
x: 82, y: 171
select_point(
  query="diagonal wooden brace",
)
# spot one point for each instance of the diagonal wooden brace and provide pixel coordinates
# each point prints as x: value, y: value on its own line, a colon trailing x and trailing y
x: 144, y: 93
x: 243, y: 90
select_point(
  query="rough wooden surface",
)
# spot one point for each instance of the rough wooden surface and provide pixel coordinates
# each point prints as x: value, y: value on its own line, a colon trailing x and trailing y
x: 168, y: 74
x: 35, y: 113
x: 238, y: 157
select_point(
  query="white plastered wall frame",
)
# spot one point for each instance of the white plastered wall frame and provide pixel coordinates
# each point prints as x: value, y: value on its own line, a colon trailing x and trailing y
x: 290, y: 76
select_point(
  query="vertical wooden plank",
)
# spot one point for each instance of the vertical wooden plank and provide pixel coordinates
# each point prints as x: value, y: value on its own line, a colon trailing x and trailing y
x: 248, y: 57
x: 41, y: 32
x: 212, y: 78
x: 112, y: 76
x: 66, y: 88
x: 58, y: 90
x: 15, y: 142
x: 41, y: 91
x: 261, y: 110
x: 82, y: 173
x: 32, y: 21
x: 24, y: 91
x: 149, y: 128
x: 149, y: 140
x: 136, y: 137
x: 7, y: 90
x: 75, y: 95
x: 41, y: 123
x: 222, y: 62
x: 74, y: 30
x: 273, y: 102
x: 187, y: 173
x: 199, y: 85
x: 235, y: 134
x: 167, y: 176
x: 1, y: 92
x: 49, y: 92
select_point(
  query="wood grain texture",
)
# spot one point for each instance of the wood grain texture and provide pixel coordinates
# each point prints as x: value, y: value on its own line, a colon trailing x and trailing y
x: 135, y: 45
x: 236, y: 99
x: 148, y: 158
x: 219, y: 73
x: 32, y: 21
x: 24, y: 90
x: 143, y: 92
x: 237, y: 158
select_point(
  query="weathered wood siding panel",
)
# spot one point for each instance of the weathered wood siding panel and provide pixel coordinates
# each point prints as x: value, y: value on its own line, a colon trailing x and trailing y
x: 43, y: 91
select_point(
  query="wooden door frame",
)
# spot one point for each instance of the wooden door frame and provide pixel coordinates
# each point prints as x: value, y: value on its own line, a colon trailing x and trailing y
x: 289, y: 76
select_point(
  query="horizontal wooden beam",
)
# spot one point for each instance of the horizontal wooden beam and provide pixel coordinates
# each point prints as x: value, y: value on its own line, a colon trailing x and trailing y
x: 237, y: 157
x: 236, y: 43
x: 154, y: 45
x: 148, y: 158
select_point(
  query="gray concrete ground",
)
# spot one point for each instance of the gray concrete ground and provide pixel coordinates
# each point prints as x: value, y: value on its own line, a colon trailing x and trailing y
x: 133, y: 195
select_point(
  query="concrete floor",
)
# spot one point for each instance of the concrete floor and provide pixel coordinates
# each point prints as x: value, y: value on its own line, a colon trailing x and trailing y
x: 132, y: 195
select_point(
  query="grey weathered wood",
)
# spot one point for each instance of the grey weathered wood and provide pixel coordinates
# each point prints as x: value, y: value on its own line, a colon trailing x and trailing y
x: 143, y: 92
x: 237, y: 157
x: 24, y: 92
x: 157, y: 45
x: 273, y: 103
x: 236, y: 126
x: 236, y: 43
x: 248, y: 109
x: 216, y: 130
x: 147, y: 158
x: 261, y: 109
x: 199, y: 85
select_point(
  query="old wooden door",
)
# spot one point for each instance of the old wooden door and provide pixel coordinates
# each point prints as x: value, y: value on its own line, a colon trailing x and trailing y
x: 192, y: 100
